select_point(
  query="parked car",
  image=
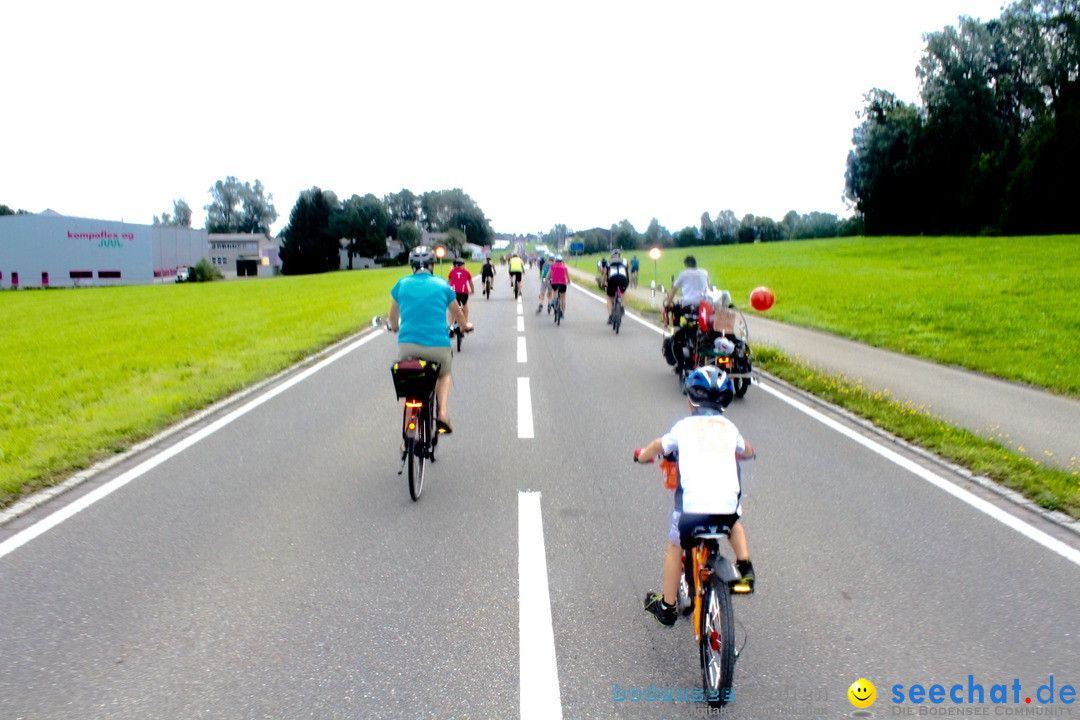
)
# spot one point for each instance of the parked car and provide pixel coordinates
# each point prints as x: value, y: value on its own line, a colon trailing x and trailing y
x: 183, y: 274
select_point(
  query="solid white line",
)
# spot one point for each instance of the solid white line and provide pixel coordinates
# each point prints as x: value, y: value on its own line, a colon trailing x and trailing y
x: 936, y: 480
x: 1025, y: 529
x: 521, y: 324
x: 522, y: 356
x: 538, y: 667
x: 525, y: 420
x: 45, y: 524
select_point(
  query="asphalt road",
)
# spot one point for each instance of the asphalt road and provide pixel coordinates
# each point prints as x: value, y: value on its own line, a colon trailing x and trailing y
x: 272, y: 564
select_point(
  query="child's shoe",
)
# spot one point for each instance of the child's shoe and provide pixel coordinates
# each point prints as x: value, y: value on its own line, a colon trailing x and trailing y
x: 665, y: 614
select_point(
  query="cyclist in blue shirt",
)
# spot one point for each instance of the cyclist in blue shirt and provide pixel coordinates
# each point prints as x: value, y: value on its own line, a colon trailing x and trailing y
x: 418, y: 311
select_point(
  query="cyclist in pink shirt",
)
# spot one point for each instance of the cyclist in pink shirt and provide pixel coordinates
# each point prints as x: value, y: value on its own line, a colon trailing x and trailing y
x: 559, y: 279
x: 462, y: 283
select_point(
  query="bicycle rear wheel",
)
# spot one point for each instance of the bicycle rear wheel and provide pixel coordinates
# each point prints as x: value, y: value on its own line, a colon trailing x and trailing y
x: 415, y: 459
x: 717, y: 642
x: 616, y: 317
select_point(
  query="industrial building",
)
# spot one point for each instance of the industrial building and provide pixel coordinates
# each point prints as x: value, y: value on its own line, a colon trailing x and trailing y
x: 51, y: 250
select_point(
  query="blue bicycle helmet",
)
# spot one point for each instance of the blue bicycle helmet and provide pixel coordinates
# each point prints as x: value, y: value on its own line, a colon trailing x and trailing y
x: 709, y: 387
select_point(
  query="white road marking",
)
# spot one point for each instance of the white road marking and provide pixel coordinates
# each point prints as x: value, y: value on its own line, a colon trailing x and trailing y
x: 519, y: 308
x: 524, y: 408
x: 538, y: 668
x: 1032, y: 533
x: 936, y: 480
x: 522, y: 356
x: 521, y: 324
x: 45, y: 524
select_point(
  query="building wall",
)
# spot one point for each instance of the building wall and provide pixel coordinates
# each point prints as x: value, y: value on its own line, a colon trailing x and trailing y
x: 63, y: 251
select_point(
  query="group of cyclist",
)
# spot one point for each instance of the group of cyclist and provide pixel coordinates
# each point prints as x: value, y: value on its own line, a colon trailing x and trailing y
x: 707, y: 444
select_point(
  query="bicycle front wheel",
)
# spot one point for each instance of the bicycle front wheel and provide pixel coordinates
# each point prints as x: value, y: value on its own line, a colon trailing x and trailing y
x: 717, y: 643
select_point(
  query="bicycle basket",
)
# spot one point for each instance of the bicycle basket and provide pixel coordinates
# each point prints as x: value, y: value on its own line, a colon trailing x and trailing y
x: 414, y: 378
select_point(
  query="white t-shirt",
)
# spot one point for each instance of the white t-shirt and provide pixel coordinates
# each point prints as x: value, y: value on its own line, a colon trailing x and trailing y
x: 708, y: 470
x: 693, y: 282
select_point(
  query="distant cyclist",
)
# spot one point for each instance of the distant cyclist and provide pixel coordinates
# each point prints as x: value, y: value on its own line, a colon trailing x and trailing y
x: 462, y: 283
x: 634, y: 267
x: 487, y: 272
x: 618, y: 278
x: 559, y: 280
x: 545, y: 269
x: 517, y: 267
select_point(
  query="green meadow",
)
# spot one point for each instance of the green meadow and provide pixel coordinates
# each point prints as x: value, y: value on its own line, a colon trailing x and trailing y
x: 1006, y: 306
x: 89, y: 372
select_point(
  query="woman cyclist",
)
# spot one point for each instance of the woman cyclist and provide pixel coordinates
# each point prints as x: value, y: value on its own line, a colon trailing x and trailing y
x: 418, y: 311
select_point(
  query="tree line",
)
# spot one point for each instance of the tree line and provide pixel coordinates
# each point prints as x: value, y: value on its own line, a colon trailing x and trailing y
x: 994, y: 146
x: 726, y: 229
x: 320, y: 226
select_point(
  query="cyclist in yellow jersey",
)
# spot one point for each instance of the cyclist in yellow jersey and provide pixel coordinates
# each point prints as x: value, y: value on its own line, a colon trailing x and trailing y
x: 517, y: 267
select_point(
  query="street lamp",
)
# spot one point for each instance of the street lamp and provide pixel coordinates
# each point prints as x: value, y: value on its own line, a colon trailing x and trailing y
x: 440, y: 252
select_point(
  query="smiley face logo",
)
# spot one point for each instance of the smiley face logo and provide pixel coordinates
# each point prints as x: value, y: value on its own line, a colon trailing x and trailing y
x: 862, y: 693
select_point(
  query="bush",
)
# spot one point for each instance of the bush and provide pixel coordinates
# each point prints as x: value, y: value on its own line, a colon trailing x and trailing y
x: 203, y: 271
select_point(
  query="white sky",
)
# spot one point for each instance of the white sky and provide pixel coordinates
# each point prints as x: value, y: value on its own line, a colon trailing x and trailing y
x: 579, y: 112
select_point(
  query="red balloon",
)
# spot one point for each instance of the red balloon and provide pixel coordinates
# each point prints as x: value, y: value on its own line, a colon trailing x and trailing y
x: 762, y: 298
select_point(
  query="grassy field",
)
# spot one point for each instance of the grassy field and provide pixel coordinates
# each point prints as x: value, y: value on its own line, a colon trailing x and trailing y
x: 89, y: 372
x: 1008, y: 307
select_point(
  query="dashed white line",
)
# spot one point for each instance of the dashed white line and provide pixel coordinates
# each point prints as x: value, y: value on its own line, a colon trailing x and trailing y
x: 521, y: 324
x: 521, y: 354
x: 537, y: 665
x: 524, y: 408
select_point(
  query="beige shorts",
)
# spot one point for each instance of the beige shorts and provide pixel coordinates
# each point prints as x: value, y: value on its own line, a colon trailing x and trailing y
x: 441, y: 355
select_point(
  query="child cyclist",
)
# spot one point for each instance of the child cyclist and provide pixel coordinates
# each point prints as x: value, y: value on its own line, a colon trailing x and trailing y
x: 709, y: 447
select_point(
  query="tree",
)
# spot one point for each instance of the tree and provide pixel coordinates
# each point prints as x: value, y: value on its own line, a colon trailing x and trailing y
x: 445, y: 209
x: 181, y: 216
x: 727, y: 227
x: 239, y: 208
x: 624, y: 236
x: 5, y: 210
x: 363, y: 223
x: 403, y: 207
x: 883, y: 172
x: 409, y: 235
x: 309, y: 245
x: 686, y: 237
x: 708, y: 230
x: 656, y: 235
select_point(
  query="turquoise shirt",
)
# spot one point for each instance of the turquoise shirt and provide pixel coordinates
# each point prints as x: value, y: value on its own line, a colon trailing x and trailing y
x: 423, y: 299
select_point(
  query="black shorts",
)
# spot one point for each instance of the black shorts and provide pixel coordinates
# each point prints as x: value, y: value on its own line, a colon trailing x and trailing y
x: 462, y: 298
x: 711, y: 523
x: 559, y: 288
x: 516, y: 276
x: 617, y: 282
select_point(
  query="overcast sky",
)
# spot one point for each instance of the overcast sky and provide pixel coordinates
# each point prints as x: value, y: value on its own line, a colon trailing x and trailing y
x: 579, y: 112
